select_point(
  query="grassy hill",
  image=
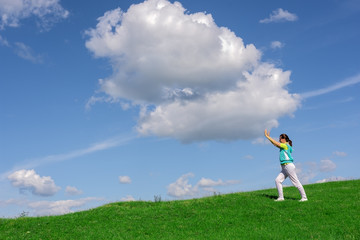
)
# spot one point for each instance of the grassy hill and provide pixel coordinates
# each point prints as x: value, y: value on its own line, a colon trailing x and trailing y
x: 332, y: 212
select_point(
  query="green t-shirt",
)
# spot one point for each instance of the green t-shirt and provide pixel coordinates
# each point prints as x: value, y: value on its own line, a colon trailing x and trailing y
x: 285, y: 153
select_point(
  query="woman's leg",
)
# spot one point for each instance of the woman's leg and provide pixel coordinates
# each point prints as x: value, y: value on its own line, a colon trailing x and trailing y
x: 278, y: 181
x: 291, y: 172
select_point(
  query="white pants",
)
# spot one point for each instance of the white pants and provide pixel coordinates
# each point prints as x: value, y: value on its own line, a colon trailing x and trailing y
x: 289, y: 171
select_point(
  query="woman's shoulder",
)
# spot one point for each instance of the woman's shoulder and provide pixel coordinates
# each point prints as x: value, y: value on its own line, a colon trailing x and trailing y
x: 284, y: 146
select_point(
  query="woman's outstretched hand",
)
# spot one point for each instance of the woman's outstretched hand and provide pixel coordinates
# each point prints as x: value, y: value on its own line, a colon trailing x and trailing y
x: 267, y: 133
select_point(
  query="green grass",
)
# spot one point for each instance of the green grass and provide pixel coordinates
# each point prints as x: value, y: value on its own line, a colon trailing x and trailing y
x: 332, y: 212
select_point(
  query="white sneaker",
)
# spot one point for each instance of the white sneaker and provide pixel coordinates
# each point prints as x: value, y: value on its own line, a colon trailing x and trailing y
x: 279, y: 200
x: 303, y: 200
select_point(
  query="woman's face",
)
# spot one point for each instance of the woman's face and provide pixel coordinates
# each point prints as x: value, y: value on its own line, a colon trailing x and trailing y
x: 282, y: 140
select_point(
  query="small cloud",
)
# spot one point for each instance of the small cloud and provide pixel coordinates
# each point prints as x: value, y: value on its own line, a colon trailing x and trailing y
x: 124, y: 179
x: 280, y: 15
x: 73, y: 191
x: 181, y: 188
x: 28, y: 180
x: 128, y: 198
x: 207, y: 182
x: 327, y: 165
x: 276, y: 45
x: 340, y: 154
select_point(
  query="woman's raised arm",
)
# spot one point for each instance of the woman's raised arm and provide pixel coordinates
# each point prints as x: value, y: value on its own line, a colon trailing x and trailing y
x: 267, y: 135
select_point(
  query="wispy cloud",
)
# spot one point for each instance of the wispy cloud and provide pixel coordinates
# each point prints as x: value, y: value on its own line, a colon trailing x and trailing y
x: 94, y: 99
x: 340, y: 154
x: 47, y: 208
x: 128, y: 198
x: 44, y: 208
x: 280, y: 15
x: 12, y: 201
x: 327, y: 165
x: 46, y: 12
x: 333, y: 179
x: 309, y: 170
x: 207, y: 182
x: 248, y: 157
x: 73, y: 191
x: 22, y: 50
x: 182, y: 188
x: 25, y: 52
x: 33, y: 163
x: 4, y: 42
x: 345, y: 83
x: 328, y: 104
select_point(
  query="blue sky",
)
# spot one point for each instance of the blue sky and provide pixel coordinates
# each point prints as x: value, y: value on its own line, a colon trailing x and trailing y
x: 127, y: 100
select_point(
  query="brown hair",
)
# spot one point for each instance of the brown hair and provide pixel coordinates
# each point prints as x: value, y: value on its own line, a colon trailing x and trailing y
x: 287, y: 139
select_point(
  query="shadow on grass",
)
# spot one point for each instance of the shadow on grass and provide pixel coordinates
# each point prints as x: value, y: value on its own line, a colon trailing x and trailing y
x: 275, y: 196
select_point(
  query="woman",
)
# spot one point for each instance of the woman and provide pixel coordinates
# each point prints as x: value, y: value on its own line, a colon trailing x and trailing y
x: 287, y: 166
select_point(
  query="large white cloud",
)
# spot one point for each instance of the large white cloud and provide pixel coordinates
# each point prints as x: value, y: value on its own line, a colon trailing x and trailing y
x: 196, y: 80
x: 255, y: 104
x: 31, y: 181
x: 156, y: 48
x: 48, y: 11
